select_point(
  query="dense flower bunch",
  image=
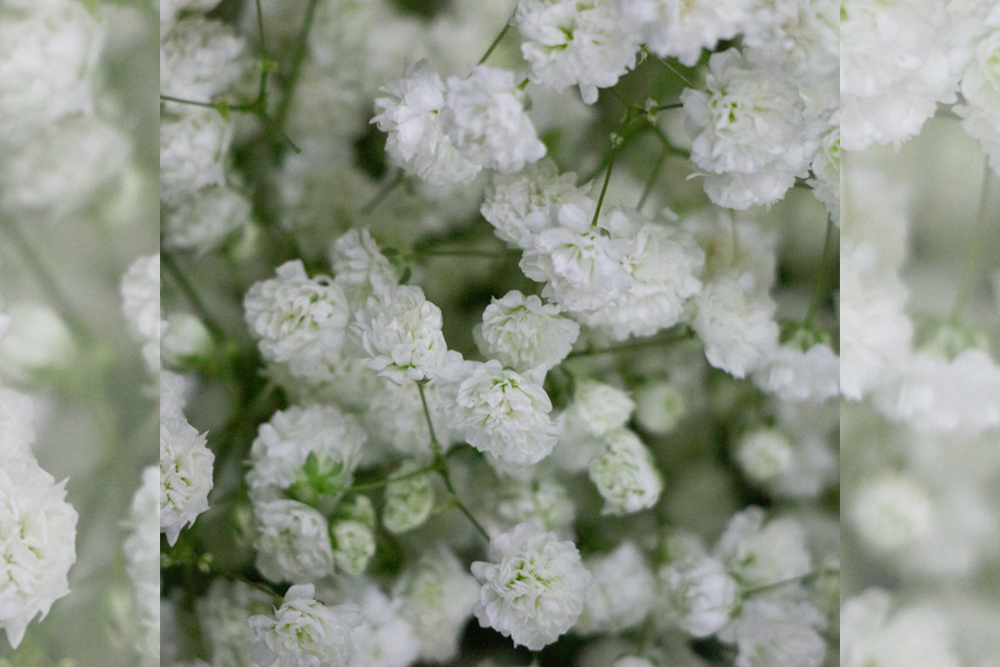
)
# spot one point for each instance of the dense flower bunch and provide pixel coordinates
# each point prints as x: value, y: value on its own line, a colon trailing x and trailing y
x: 449, y: 379
x: 922, y: 422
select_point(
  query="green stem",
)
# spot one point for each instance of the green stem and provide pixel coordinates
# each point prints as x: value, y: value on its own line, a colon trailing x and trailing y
x: 675, y: 71
x: 441, y: 466
x: 973, y: 268
x: 48, y: 284
x: 651, y: 183
x: 191, y: 294
x: 683, y: 334
x: 821, y: 280
x: 794, y: 580
x: 390, y: 479
x: 170, y: 98
x: 496, y: 42
x: 301, y: 48
x: 384, y: 192
x: 617, y: 141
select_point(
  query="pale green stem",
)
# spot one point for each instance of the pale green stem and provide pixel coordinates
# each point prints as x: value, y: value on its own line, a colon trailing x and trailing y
x: 974, y: 266
x: 823, y: 276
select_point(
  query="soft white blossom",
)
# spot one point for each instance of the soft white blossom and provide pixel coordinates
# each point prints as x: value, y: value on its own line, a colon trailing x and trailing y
x: 764, y: 454
x: 625, y: 475
x: 533, y: 586
x: 206, y: 219
x: 573, y: 42
x: 517, y: 205
x: 384, y: 638
x: 193, y: 147
x: 621, y: 593
x: 353, y: 545
x: 199, y: 58
x: 436, y: 595
x: 292, y: 541
x: 524, y: 334
x: 142, y: 557
x: 305, y: 633
x: 681, y: 29
x: 793, y: 374
x: 498, y: 411
x: 891, y: 512
x: 409, y: 501
x: 359, y: 267
x: 582, y: 268
x: 695, y: 592
x: 37, y: 544
x: 140, y: 292
x: 758, y: 552
x: 298, y: 320
x: 401, y: 333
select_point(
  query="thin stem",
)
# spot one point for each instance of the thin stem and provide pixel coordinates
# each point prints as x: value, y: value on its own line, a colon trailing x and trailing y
x: 793, y: 580
x: 651, y: 183
x: 441, y: 466
x: 435, y: 445
x: 383, y: 193
x: 674, y: 70
x: 47, y: 282
x: 458, y: 503
x: 684, y: 334
x: 391, y: 479
x: 824, y: 270
x: 191, y: 294
x: 973, y: 268
x: 495, y: 43
x: 262, y: 91
x: 170, y: 98
x: 607, y: 179
x: 297, y: 61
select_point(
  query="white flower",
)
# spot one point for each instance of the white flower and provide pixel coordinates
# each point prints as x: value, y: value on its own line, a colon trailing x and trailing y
x: 764, y: 455
x: 408, y: 502
x: 524, y: 334
x: 517, y: 205
x: 313, y: 445
x: 17, y: 428
x: 224, y: 613
x: 484, y: 119
x: 545, y: 501
x: 872, y: 633
x: 185, y: 462
x: 735, y: 323
x: 533, y: 588
x: 891, y: 512
x: 359, y: 267
x: 383, y: 639
x: 37, y: 544
x: 886, y: 97
x: 625, y: 475
x: 659, y: 407
x: 140, y: 292
x: 597, y: 410
x: 199, y: 58
x: 779, y: 633
x: 665, y: 267
x: 417, y: 142
x: 204, y: 220
x: 498, y: 411
x: 193, y: 146
x: 394, y: 417
x: 803, y: 39
x: 353, y: 545
x: 758, y: 554
x: 305, y: 633
x: 298, y: 320
x: 937, y: 395
x: 436, y: 596
x: 825, y: 167
x: 185, y: 340
x: 401, y: 333
x: 37, y: 343
x: 48, y: 57
x: 682, y: 28
x: 292, y: 541
x: 795, y: 375
x: 695, y: 592
x: 581, y: 266
x: 621, y: 593
x: 142, y: 558
x: 749, y: 132
x: 573, y: 42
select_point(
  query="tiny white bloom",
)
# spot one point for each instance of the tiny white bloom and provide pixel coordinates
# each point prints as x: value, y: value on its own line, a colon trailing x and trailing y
x: 353, y: 545
x: 359, y: 267
x: 409, y: 501
x: 695, y: 592
x: 626, y: 475
x: 37, y: 544
x: 292, y: 542
x: 621, y: 593
x: 499, y: 411
x: 298, y: 320
x: 401, y: 333
x: 304, y: 632
x: 533, y: 587
x: 764, y: 454
x: 524, y: 334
